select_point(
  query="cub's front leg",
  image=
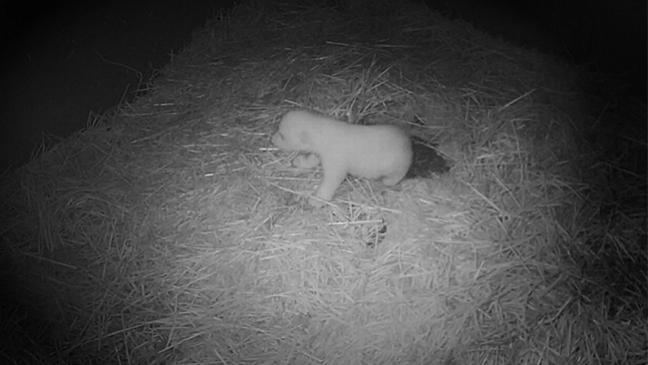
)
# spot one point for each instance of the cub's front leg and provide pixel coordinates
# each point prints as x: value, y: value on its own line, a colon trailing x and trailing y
x: 334, y: 174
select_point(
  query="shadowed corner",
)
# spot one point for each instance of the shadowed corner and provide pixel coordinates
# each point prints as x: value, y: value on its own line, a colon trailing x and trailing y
x: 426, y: 160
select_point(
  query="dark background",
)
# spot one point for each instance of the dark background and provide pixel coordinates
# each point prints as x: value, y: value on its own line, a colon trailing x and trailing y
x: 64, y: 59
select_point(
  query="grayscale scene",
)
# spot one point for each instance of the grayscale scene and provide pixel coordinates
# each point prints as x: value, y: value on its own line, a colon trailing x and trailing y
x: 323, y: 182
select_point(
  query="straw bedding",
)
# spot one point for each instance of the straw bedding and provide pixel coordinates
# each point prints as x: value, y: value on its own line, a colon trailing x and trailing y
x: 170, y: 231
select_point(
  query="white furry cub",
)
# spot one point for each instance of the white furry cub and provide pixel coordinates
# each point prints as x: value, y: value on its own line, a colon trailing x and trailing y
x: 373, y: 152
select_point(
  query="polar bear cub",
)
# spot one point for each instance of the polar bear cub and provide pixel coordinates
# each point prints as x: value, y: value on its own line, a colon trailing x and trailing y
x: 367, y: 151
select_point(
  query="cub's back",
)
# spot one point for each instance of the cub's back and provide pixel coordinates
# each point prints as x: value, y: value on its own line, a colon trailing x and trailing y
x: 376, y: 151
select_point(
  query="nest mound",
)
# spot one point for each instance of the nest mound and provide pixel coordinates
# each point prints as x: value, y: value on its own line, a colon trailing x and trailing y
x: 170, y: 231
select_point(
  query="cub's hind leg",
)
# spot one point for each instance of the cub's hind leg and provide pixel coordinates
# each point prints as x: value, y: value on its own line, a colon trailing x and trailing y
x: 393, y: 178
x: 398, y: 172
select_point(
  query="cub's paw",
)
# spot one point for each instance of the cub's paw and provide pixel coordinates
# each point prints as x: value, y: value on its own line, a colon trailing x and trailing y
x: 307, y: 161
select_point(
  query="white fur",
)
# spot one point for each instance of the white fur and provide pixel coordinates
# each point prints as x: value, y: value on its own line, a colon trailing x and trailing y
x: 373, y: 152
x: 307, y: 161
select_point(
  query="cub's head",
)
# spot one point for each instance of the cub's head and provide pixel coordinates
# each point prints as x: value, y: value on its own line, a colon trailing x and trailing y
x: 294, y: 133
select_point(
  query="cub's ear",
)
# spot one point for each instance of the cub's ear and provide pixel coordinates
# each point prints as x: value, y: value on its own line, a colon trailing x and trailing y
x: 305, y: 138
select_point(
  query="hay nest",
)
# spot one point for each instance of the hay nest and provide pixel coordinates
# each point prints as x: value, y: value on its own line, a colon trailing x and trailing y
x: 171, y: 231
